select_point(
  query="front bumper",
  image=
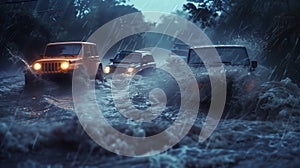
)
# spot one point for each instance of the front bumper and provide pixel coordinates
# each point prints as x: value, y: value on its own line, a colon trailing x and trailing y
x: 49, y: 76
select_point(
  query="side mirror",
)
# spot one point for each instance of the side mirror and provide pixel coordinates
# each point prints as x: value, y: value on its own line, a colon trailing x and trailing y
x: 253, y: 64
x: 111, y: 60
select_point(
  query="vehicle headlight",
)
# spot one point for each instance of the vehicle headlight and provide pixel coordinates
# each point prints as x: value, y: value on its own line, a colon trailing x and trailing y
x: 37, y: 66
x: 107, y: 69
x: 64, y: 65
x: 130, y: 70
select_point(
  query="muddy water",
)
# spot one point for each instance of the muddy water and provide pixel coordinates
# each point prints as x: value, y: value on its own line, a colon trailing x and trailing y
x: 38, y: 128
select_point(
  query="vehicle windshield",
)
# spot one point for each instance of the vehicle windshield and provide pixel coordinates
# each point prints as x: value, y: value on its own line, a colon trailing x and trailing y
x: 180, y: 52
x: 63, y: 50
x: 127, y: 57
x: 228, y: 55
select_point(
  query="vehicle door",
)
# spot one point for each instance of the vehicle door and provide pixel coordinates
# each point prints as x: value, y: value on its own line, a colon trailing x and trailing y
x: 91, y: 59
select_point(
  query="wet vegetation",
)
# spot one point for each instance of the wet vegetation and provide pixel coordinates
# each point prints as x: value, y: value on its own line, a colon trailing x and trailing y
x: 274, y: 25
x: 27, y: 26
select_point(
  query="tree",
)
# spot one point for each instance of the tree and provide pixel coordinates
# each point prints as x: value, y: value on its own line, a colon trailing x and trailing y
x: 27, y: 25
x: 20, y: 30
x: 276, y: 22
x: 206, y: 11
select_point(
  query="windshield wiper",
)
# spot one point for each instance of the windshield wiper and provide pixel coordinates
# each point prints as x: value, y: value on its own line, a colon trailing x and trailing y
x: 226, y: 62
x: 223, y: 62
x: 230, y: 63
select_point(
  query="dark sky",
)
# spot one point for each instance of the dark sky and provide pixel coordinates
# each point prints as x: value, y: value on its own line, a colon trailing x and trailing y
x: 158, y: 5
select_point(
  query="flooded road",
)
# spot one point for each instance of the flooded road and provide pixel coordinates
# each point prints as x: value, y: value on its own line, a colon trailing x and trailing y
x: 39, y: 128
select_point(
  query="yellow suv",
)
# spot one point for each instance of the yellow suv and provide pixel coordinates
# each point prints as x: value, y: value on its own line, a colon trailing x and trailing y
x: 62, y: 58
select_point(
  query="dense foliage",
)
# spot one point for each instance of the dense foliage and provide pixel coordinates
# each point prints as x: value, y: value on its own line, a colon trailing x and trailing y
x: 26, y: 26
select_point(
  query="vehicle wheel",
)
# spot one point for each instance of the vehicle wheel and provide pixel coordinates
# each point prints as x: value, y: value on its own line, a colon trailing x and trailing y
x: 100, y: 74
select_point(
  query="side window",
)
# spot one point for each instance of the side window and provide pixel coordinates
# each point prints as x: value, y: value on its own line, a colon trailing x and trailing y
x: 87, y: 51
x: 148, y: 59
x: 94, y: 50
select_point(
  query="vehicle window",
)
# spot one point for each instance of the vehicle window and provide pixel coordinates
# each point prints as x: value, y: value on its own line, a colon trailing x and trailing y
x: 148, y: 59
x: 87, y: 51
x: 233, y: 55
x: 94, y: 50
x: 63, y: 50
x: 180, y: 52
x: 128, y: 58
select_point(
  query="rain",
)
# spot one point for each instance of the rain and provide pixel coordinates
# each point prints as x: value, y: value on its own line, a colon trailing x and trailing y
x: 53, y: 123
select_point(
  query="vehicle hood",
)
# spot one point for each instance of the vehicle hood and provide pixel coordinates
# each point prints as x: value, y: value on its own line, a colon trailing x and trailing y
x: 124, y: 65
x: 229, y: 70
x: 58, y: 59
x: 238, y: 80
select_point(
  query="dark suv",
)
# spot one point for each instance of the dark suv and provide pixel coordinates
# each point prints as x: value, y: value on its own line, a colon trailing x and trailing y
x: 239, y: 70
x: 130, y: 62
x: 231, y: 55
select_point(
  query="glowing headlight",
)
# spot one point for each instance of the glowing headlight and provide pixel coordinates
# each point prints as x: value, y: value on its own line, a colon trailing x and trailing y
x: 107, y: 69
x: 37, y: 66
x: 130, y: 70
x: 65, y: 65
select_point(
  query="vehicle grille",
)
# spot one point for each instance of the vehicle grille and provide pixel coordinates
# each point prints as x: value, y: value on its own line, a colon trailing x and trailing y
x: 50, y: 67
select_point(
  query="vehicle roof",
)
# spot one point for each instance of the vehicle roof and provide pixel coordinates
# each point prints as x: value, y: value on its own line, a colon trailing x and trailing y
x: 71, y: 42
x: 181, y: 44
x: 135, y: 51
x: 216, y: 46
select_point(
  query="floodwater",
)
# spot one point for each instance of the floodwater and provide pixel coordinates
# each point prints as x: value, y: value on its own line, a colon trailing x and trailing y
x: 260, y: 127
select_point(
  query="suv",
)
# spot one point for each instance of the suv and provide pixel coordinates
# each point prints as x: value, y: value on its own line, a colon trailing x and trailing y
x: 130, y: 62
x: 62, y: 58
x: 238, y: 68
x: 230, y: 55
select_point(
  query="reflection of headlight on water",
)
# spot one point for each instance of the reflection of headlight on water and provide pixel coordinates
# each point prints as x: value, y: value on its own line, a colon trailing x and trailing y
x: 107, y: 70
x: 130, y: 70
x: 37, y: 66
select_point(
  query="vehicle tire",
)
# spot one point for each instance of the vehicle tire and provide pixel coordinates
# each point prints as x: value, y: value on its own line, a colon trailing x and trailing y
x: 100, y: 74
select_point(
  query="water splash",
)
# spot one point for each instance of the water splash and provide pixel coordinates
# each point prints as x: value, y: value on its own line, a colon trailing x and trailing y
x: 20, y: 58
